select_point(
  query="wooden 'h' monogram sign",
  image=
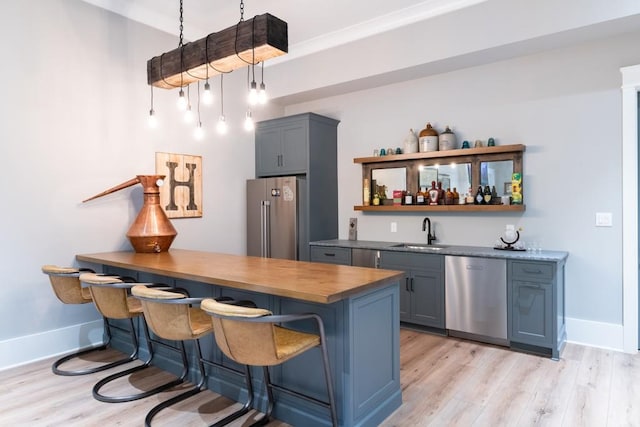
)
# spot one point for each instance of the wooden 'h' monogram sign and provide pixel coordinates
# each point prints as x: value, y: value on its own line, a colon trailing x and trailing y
x: 181, y: 194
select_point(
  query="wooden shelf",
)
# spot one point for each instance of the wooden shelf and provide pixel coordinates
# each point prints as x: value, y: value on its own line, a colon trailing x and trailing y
x: 441, y: 154
x: 441, y: 208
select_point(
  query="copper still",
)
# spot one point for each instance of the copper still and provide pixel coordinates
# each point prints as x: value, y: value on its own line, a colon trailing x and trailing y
x: 151, y: 231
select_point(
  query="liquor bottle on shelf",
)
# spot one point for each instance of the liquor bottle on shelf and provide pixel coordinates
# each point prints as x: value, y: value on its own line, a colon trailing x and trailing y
x: 486, y: 195
x: 479, y: 198
x: 434, y: 194
x: 421, y: 196
x: 441, y: 194
x: 448, y: 197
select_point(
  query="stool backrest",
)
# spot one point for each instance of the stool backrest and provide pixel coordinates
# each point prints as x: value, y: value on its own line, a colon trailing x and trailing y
x: 247, y: 343
x: 65, y: 284
x: 166, y: 315
x: 109, y: 298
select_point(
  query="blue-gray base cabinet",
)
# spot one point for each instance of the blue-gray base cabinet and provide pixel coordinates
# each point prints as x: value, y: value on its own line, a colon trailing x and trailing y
x: 363, y: 337
x: 535, y: 312
x: 422, y: 288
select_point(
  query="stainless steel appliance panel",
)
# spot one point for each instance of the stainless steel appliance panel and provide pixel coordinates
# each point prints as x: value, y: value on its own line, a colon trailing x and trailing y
x: 365, y: 257
x: 476, y: 297
x: 272, y: 217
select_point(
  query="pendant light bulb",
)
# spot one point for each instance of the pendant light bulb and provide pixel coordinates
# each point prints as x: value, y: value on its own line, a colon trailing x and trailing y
x: 207, y: 95
x: 152, y: 120
x: 248, y: 122
x: 188, y: 115
x: 253, y: 93
x: 182, y: 101
x: 222, y: 125
x: 198, y: 133
x: 262, y: 94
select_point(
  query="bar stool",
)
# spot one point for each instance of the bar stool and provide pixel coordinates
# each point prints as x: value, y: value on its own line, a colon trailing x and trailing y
x: 251, y: 336
x: 172, y: 316
x: 111, y: 298
x: 66, y: 285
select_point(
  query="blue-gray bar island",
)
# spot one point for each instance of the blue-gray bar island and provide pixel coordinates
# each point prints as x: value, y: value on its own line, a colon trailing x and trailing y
x: 359, y: 307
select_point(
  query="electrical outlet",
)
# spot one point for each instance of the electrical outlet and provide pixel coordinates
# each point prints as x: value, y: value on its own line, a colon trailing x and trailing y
x: 394, y: 227
x: 353, y: 228
x: 604, y: 219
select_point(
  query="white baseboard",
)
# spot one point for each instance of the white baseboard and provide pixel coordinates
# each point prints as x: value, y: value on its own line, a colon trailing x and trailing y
x: 30, y: 348
x: 595, y: 334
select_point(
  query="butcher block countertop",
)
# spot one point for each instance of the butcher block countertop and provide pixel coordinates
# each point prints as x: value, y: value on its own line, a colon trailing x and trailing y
x: 307, y: 281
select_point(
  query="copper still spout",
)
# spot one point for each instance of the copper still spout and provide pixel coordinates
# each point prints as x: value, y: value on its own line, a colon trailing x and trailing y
x: 151, y: 231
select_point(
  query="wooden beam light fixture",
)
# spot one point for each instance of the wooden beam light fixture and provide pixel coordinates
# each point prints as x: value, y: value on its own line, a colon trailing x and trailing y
x: 245, y: 44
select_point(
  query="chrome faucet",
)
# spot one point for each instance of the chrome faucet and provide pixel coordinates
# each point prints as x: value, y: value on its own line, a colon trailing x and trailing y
x: 430, y: 237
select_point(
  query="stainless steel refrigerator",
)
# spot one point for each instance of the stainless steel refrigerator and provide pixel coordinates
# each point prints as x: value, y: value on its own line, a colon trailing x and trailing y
x: 276, y: 216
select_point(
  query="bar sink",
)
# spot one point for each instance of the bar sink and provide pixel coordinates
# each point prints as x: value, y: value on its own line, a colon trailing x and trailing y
x: 420, y: 246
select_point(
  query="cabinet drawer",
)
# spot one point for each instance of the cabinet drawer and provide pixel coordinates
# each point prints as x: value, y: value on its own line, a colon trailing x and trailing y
x: 532, y: 270
x: 331, y: 255
x: 411, y: 261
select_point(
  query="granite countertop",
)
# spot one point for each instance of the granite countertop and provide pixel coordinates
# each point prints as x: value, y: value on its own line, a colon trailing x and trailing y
x: 443, y: 249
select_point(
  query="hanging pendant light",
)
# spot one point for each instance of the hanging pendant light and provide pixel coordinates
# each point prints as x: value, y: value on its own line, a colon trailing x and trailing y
x: 188, y: 113
x: 262, y: 93
x: 152, y: 120
x: 198, y: 132
x: 221, y: 127
x: 248, y: 121
x: 207, y: 95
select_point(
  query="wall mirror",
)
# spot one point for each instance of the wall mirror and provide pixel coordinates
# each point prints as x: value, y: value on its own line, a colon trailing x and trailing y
x: 391, y: 179
x: 498, y: 174
x: 452, y: 176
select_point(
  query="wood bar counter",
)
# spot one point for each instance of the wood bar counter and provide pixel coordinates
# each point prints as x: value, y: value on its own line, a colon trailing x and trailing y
x: 359, y: 306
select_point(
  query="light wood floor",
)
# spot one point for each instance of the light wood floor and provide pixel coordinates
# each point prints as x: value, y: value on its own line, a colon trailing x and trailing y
x: 445, y: 382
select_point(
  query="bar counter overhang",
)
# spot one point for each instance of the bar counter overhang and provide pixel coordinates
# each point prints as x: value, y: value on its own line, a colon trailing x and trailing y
x: 359, y: 306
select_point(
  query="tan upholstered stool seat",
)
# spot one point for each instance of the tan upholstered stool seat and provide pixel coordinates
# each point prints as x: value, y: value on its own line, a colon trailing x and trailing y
x: 112, y: 302
x: 65, y: 284
x: 172, y: 321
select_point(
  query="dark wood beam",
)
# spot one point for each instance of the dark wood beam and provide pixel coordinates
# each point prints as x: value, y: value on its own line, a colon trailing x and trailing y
x: 252, y: 41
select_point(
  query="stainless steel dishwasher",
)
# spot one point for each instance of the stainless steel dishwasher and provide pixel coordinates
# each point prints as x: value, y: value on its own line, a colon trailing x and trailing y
x: 365, y: 257
x: 476, y: 298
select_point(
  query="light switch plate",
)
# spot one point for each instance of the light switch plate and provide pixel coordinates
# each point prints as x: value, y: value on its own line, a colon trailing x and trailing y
x: 604, y: 219
x: 394, y: 227
x: 353, y: 228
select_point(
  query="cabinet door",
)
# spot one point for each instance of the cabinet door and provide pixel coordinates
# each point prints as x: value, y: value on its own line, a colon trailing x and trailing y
x: 268, y: 152
x: 532, y: 313
x: 427, y: 301
x: 293, y: 158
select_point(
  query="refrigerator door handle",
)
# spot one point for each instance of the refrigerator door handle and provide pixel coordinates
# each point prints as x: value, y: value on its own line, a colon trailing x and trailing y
x: 265, y: 235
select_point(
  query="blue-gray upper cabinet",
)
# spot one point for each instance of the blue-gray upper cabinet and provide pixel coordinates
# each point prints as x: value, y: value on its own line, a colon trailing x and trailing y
x: 536, y: 312
x: 295, y: 145
x: 421, y: 289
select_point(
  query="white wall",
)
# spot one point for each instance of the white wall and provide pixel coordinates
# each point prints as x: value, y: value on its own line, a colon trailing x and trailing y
x: 72, y: 124
x: 565, y: 106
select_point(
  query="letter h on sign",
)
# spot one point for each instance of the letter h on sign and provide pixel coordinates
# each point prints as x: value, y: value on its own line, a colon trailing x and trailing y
x: 181, y: 194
